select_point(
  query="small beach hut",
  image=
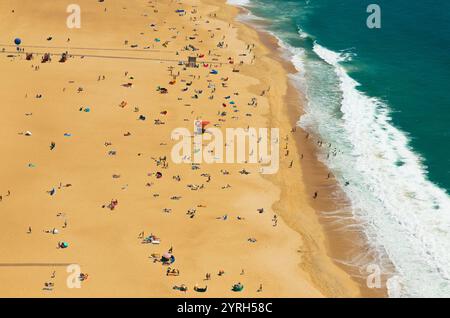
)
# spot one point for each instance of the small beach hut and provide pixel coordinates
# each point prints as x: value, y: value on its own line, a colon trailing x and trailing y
x: 192, y: 61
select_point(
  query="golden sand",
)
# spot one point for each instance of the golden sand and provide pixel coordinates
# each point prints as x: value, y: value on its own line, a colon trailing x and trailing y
x: 117, y: 41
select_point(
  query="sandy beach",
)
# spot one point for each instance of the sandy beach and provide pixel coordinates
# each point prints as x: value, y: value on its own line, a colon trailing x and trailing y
x: 86, y: 174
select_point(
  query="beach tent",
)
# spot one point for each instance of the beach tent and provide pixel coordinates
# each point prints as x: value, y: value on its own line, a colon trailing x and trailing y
x: 238, y: 287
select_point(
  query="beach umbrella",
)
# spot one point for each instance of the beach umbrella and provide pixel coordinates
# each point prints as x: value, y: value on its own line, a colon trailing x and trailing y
x: 167, y: 256
x: 205, y: 123
x: 200, y: 126
x: 17, y: 41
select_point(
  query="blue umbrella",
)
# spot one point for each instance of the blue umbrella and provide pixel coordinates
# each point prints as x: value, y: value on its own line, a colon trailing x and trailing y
x: 17, y: 41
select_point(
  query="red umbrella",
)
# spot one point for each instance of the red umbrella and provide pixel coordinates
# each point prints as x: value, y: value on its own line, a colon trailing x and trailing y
x: 205, y: 123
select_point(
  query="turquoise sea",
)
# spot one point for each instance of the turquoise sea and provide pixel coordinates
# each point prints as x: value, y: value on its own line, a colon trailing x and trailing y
x: 381, y: 98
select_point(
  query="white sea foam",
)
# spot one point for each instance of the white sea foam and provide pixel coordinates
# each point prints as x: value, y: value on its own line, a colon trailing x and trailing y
x: 239, y: 2
x: 405, y: 215
x: 302, y: 33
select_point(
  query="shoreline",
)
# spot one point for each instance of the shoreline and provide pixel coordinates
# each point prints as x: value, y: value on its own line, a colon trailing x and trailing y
x: 340, y: 247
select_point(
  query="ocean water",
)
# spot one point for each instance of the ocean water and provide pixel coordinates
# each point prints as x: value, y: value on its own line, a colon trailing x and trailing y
x: 379, y: 100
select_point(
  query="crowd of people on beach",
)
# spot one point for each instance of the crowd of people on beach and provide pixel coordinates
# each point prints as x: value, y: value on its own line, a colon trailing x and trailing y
x: 213, y: 67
